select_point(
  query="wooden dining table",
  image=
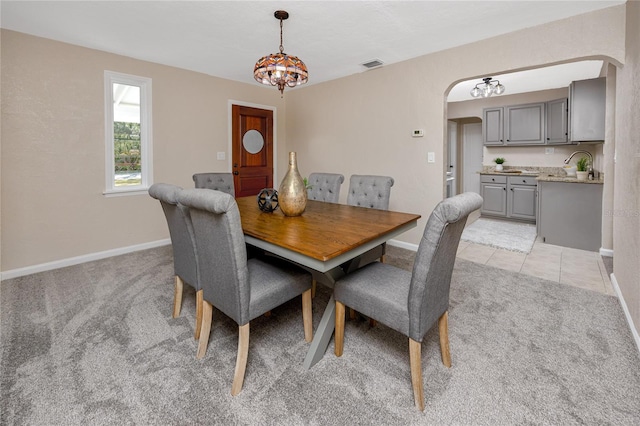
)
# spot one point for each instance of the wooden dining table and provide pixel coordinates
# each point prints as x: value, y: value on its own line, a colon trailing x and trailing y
x: 323, y: 238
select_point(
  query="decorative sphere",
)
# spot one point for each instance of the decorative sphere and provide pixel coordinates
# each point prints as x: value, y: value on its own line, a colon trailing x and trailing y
x: 268, y: 200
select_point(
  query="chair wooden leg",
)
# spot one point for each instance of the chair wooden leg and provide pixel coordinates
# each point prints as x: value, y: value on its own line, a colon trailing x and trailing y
x: 443, y: 328
x: 339, y: 337
x: 415, y: 358
x: 196, y: 334
x: 313, y: 289
x: 307, y: 316
x: 177, y: 297
x: 205, y: 329
x: 352, y: 314
x: 372, y: 322
x: 241, y: 359
x: 267, y: 314
x: 382, y: 259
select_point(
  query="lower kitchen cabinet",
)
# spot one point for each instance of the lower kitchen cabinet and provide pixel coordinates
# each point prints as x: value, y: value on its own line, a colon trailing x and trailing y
x: 570, y: 214
x: 509, y: 196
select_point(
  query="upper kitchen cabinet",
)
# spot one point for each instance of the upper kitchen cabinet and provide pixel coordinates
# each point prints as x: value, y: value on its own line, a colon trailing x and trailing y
x: 524, y: 124
x: 557, y: 122
x: 492, y: 126
x: 514, y: 125
x: 587, y: 99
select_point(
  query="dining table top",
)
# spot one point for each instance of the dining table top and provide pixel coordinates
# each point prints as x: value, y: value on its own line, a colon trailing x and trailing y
x: 324, y: 231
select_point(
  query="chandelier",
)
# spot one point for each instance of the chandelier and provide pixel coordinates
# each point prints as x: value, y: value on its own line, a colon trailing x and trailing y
x: 488, y: 88
x: 280, y: 69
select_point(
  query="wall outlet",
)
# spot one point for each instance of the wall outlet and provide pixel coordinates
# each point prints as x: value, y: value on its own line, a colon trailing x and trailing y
x: 221, y: 156
x: 431, y: 157
x: 417, y: 133
x: 549, y: 150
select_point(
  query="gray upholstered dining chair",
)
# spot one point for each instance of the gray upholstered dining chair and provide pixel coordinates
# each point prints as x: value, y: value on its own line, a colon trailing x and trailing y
x: 325, y: 187
x: 372, y: 192
x: 218, y: 181
x: 241, y: 288
x: 185, y: 260
x: 411, y: 303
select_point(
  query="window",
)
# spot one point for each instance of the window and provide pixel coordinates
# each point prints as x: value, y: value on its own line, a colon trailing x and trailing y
x: 128, y: 158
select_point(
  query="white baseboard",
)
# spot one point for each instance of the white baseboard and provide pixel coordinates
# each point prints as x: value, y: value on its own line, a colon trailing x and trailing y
x: 402, y: 244
x: 606, y: 252
x: 14, y: 273
x: 627, y: 314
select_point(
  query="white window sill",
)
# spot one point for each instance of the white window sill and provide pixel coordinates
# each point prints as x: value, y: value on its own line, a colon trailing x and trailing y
x: 126, y: 192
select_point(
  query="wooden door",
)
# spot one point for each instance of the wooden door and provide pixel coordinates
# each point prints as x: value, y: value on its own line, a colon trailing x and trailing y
x: 252, y: 146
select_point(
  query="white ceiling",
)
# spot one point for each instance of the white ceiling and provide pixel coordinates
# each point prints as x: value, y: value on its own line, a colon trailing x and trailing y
x: 332, y: 37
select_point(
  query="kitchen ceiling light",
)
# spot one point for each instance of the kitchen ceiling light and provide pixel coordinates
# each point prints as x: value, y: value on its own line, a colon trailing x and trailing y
x: 280, y: 69
x: 488, y: 88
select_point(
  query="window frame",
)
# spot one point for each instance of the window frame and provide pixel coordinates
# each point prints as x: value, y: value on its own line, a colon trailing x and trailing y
x: 146, y: 145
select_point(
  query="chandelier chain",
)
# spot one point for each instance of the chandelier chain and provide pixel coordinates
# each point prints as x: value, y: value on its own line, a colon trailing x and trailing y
x: 281, y: 47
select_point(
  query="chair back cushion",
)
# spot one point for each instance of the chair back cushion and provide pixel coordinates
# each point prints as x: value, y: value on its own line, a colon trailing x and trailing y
x: 433, y: 266
x: 325, y: 187
x: 222, y: 253
x: 370, y: 191
x: 218, y: 181
x: 185, y: 261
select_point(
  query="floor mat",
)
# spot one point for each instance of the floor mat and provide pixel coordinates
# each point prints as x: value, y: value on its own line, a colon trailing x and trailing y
x: 513, y: 236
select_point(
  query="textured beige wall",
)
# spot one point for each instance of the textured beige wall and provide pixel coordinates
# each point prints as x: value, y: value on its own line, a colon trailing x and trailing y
x: 53, y: 156
x: 363, y: 123
x: 608, y: 165
x: 626, y: 213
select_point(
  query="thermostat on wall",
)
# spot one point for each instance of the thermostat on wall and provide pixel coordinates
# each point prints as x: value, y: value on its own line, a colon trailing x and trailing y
x: 418, y: 133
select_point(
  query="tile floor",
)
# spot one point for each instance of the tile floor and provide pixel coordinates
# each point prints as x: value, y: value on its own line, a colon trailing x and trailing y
x: 579, y: 268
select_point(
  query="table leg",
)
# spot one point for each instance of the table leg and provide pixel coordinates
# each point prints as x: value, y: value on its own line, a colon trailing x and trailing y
x: 322, y: 335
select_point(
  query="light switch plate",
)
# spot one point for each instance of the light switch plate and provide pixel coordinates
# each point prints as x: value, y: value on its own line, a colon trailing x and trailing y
x: 431, y: 157
x: 221, y: 156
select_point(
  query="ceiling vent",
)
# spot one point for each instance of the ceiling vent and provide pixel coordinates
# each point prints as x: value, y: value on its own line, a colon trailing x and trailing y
x: 374, y: 63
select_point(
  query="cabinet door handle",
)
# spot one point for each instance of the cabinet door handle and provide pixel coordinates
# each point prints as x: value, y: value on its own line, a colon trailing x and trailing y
x: 504, y: 189
x: 511, y: 189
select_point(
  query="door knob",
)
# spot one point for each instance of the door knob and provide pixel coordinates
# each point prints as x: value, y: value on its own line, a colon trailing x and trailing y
x: 236, y: 173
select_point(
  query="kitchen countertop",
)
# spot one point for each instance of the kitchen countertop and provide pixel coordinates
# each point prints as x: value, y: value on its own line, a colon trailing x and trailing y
x: 554, y: 178
x: 546, y: 174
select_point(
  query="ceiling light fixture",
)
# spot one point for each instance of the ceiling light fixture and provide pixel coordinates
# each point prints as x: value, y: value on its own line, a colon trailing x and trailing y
x: 280, y: 69
x: 487, y: 88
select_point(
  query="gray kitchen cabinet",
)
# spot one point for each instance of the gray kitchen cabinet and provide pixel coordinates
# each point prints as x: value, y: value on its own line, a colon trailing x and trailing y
x: 494, y: 197
x: 557, y: 122
x: 492, y: 126
x: 514, y: 125
x: 521, y: 197
x: 570, y: 214
x: 509, y: 196
x: 524, y: 124
x: 587, y: 101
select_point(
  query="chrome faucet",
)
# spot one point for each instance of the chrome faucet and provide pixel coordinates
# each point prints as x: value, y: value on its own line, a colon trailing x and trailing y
x: 591, y: 173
